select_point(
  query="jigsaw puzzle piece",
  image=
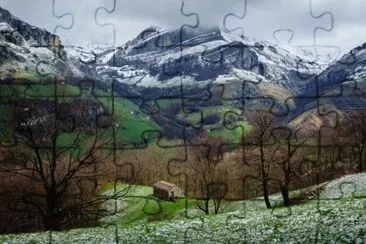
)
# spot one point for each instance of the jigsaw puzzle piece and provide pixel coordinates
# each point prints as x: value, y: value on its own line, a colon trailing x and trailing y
x: 308, y: 55
x: 55, y: 42
x: 237, y: 52
x: 317, y: 22
x: 243, y: 222
x: 178, y: 168
x: 308, y: 80
x: 182, y: 37
x: 234, y: 127
x: 186, y: 68
x: 222, y: 56
x: 239, y: 17
x: 234, y: 223
x: 203, y: 110
x: 178, y: 68
x: 131, y: 122
x: 249, y: 96
x: 177, y: 118
x: 204, y: 176
x: 143, y: 168
x: 56, y: 89
x: 9, y: 93
x: 122, y: 117
x: 181, y: 40
x: 347, y: 187
x: 61, y: 16
x: 110, y: 10
x: 198, y: 230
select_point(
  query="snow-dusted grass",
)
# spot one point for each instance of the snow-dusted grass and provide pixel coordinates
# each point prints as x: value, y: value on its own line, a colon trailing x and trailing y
x: 327, y: 221
x: 346, y: 186
x: 139, y: 206
x: 332, y: 219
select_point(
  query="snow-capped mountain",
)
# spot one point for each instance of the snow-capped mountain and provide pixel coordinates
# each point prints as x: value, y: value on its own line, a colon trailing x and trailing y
x: 155, y: 58
x: 25, y: 49
x: 348, y: 71
x: 159, y: 57
x: 340, y: 89
x: 351, y: 66
x: 342, y: 84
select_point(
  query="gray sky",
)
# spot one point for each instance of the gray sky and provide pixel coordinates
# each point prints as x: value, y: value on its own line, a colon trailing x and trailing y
x: 262, y: 18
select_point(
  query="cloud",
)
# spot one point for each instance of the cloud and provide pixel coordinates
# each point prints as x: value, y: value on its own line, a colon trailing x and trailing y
x: 263, y: 17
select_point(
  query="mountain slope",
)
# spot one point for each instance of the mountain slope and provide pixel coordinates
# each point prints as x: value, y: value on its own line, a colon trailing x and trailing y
x: 29, y: 52
x: 339, y: 88
x: 204, y: 55
x: 158, y: 61
x: 325, y: 221
x: 203, y: 61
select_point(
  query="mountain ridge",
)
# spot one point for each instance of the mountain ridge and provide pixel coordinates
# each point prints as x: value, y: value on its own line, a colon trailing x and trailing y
x: 35, y: 36
x: 158, y: 60
x: 155, y: 55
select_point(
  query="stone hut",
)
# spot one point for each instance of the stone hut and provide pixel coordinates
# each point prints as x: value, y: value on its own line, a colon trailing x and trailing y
x: 166, y: 191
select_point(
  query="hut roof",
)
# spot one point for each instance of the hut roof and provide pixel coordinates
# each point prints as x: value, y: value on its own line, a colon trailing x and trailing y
x: 164, y: 185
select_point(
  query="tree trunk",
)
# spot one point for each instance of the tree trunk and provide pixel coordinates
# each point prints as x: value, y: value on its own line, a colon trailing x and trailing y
x: 266, y: 194
x: 51, y: 222
x: 360, y: 168
x: 286, y: 184
x: 52, y: 219
x: 217, y: 204
x: 285, y: 195
x: 207, y: 211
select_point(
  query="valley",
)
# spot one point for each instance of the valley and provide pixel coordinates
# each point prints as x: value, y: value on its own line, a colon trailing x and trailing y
x: 267, y: 144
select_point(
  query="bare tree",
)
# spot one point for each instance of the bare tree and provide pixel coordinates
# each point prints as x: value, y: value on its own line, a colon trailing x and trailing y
x: 53, y: 170
x: 261, y: 149
x: 334, y: 150
x: 210, y: 182
x: 356, y: 130
x: 288, y: 157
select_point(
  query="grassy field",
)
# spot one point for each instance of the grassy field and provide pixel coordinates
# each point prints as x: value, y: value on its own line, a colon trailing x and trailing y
x: 20, y: 71
x: 221, y: 110
x: 339, y: 216
x: 341, y: 220
x: 132, y: 122
x: 39, y: 91
x: 232, y: 134
x: 139, y: 206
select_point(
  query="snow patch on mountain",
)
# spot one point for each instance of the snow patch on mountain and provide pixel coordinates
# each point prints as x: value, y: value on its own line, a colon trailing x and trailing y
x: 157, y: 56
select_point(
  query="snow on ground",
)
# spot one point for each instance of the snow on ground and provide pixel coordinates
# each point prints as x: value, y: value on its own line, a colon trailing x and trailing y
x: 192, y: 50
x: 331, y: 221
x: 146, y: 80
x: 334, y: 218
x: 106, y: 58
x: 346, y: 186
